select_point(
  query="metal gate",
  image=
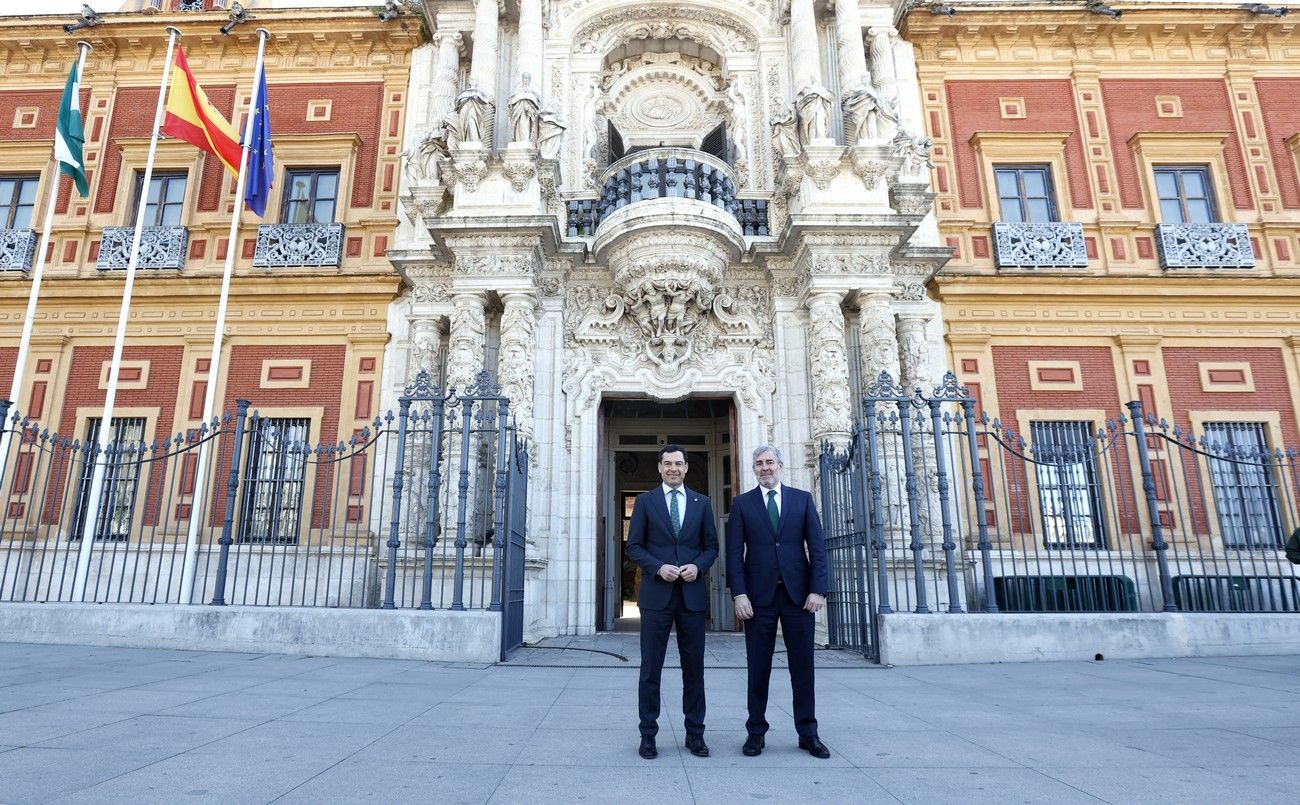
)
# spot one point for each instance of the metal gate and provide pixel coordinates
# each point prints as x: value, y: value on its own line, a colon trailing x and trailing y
x: 850, y: 614
x: 512, y: 597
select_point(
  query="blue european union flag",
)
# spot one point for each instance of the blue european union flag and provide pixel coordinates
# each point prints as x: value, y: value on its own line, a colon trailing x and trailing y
x: 261, y: 158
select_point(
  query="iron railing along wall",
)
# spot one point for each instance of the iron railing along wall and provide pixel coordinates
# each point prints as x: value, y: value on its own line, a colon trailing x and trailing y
x: 932, y: 508
x: 403, y: 514
x: 160, y: 247
x: 1215, y: 245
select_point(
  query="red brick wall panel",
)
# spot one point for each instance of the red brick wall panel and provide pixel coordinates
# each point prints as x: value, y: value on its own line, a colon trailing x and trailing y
x: 357, y: 108
x: 1049, y: 106
x: 1277, y: 100
x: 1131, y: 108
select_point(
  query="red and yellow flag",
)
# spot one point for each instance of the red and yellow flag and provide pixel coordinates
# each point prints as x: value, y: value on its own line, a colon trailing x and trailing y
x: 192, y: 118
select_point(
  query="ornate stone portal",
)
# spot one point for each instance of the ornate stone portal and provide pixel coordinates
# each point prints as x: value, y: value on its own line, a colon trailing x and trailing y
x: 646, y: 206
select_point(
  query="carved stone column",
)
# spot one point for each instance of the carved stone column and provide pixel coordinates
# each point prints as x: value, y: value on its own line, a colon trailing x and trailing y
x: 426, y: 348
x: 852, y: 52
x: 828, y: 357
x: 516, y: 355
x: 882, y: 60
x: 914, y: 350
x: 803, y: 37
x: 530, y: 58
x: 878, y: 337
x: 467, y: 339
x: 446, y: 73
x: 483, y: 64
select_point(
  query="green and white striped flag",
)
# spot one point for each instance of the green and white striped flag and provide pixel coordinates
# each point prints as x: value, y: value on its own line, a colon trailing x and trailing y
x: 70, y: 136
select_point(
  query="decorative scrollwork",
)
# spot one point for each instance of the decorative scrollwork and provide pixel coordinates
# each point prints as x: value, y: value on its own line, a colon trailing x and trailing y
x: 884, y: 388
x: 1205, y: 246
x: 483, y: 386
x: 160, y: 247
x: 297, y: 245
x: 423, y: 388
x: 1040, y: 245
x: 950, y: 389
x: 17, y: 248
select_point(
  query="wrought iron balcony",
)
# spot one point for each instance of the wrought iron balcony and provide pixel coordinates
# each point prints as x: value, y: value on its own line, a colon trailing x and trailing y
x: 298, y: 245
x: 160, y: 247
x: 17, y: 248
x: 1204, y: 246
x: 1043, y: 245
x: 666, y: 173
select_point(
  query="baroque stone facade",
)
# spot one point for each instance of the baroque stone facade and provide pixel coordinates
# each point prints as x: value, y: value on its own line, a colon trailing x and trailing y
x: 680, y: 201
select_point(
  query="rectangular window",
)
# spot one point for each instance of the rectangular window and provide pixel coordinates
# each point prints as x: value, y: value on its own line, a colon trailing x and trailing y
x: 1245, y: 491
x: 123, y: 462
x: 1025, y: 194
x: 1185, y: 195
x: 1069, y: 494
x: 310, y: 196
x: 17, y: 199
x: 274, y: 481
x: 166, y: 199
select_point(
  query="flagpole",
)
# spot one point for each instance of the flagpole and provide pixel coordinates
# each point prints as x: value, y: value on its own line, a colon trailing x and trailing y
x: 214, y: 360
x: 38, y: 271
x: 106, y: 420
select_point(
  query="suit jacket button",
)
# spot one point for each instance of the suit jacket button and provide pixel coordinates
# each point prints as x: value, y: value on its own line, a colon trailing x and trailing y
x: 778, y: 545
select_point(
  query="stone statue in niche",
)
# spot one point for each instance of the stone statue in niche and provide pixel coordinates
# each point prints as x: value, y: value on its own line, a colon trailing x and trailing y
x: 472, y: 108
x: 785, y: 138
x: 814, y: 105
x: 915, y: 152
x: 524, y: 106
x: 864, y: 115
x: 421, y: 161
x: 550, y: 134
x: 739, y: 122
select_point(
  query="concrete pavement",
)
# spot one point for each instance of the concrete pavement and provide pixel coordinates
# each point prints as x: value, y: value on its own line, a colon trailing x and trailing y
x: 558, y: 724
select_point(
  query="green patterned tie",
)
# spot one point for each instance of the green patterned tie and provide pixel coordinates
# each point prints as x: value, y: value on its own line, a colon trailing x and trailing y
x: 772, y: 513
x: 676, y: 513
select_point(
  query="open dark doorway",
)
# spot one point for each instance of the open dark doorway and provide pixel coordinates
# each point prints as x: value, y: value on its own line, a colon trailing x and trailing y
x: 633, y: 431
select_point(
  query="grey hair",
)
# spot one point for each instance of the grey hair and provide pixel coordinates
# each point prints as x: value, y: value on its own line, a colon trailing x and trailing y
x: 769, y: 448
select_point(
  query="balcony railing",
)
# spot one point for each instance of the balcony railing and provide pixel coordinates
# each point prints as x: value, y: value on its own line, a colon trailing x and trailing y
x: 1041, y: 245
x: 17, y: 248
x: 298, y: 245
x: 666, y: 173
x: 160, y: 247
x: 1205, y: 246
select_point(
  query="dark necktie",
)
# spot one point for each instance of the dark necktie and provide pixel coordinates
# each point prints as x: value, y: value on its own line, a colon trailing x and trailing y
x: 772, y: 513
x: 675, y: 511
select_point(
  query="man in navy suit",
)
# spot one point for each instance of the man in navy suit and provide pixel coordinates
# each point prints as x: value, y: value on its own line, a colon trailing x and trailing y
x: 777, y: 571
x: 673, y: 539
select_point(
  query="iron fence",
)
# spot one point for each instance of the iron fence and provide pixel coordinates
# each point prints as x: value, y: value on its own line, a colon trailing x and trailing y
x: 249, y: 509
x: 932, y: 508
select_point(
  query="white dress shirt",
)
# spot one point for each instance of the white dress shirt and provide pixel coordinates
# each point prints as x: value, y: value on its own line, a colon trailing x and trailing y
x: 763, y: 491
x: 681, y: 500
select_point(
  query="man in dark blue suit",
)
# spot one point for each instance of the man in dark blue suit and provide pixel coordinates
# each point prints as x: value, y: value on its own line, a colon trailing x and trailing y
x: 673, y: 539
x: 777, y: 571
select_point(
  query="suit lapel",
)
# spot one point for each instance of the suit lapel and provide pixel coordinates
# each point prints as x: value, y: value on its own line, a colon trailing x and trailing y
x: 660, y: 507
x: 787, y: 503
x: 694, y: 510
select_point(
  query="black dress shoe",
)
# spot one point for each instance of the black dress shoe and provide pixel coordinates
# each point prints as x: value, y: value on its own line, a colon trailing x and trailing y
x: 753, y: 746
x: 647, y: 749
x: 814, y: 746
x: 696, y: 744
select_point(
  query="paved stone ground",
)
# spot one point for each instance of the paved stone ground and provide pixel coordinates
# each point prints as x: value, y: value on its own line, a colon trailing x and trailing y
x: 557, y: 724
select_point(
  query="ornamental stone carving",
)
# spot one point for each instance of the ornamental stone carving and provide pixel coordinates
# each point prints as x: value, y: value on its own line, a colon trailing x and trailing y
x: 426, y: 347
x: 829, y: 367
x: 719, y: 30
x: 914, y: 349
x: 465, y: 344
x: 878, y: 336
x: 516, y: 355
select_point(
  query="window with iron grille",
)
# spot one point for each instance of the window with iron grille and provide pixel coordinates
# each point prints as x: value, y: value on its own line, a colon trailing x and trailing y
x: 1069, y: 493
x: 311, y: 196
x: 122, y: 461
x: 166, y: 199
x: 1025, y: 194
x: 1245, y: 489
x: 1185, y: 195
x: 17, y: 199
x: 274, y: 480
